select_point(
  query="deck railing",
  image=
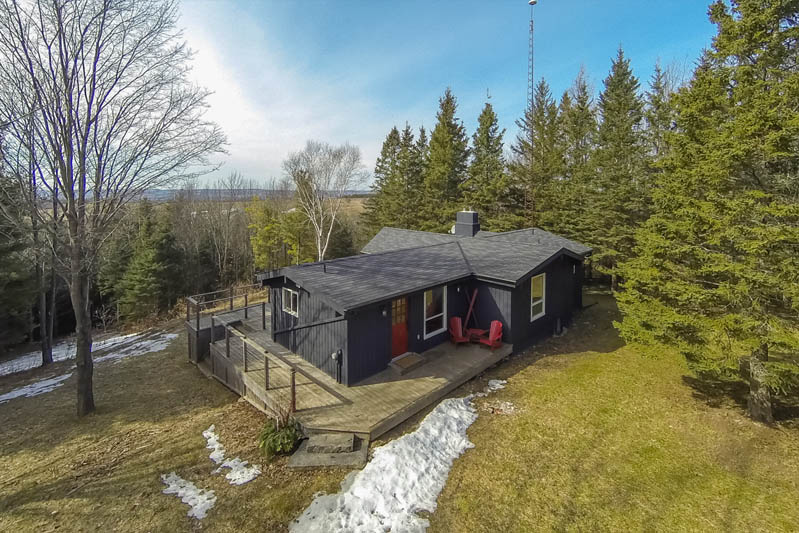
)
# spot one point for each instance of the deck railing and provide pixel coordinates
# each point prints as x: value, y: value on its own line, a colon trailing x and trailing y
x: 212, y: 302
x: 253, y: 353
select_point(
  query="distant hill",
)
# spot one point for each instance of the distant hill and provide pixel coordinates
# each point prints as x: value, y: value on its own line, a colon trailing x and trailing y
x: 167, y: 195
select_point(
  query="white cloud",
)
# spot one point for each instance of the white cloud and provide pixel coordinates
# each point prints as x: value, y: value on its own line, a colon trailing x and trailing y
x: 267, y: 106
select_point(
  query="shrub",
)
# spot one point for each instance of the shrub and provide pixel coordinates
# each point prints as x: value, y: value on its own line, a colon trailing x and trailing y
x: 276, y: 439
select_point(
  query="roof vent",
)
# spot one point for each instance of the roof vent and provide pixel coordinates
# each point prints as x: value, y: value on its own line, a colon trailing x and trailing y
x: 467, y: 224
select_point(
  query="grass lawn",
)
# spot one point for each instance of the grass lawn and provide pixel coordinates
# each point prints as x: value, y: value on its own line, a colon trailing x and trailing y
x: 603, y: 439
x: 609, y: 440
x: 102, y: 473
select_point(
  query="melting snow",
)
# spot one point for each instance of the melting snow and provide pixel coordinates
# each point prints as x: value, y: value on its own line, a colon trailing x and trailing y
x: 240, y: 472
x: 66, y: 350
x: 36, y: 388
x: 404, y: 477
x: 131, y: 348
x: 152, y: 344
x: 200, y: 500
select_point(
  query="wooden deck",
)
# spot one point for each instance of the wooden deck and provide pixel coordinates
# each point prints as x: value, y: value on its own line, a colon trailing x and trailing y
x: 369, y: 408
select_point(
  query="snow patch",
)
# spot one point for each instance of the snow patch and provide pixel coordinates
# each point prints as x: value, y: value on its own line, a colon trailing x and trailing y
x: 36, y: 388
x: 240, y: 471
x: 66, y: 350
x: 404, y: 477
x: 152, y: 344
x: 199, y: 500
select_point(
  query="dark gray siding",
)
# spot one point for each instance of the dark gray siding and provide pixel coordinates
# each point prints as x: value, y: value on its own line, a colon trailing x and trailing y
x: 315, y: 343
x: 369, y: 341
x: 493, y: 303
x: 457, y: 305
x: 563, y: 296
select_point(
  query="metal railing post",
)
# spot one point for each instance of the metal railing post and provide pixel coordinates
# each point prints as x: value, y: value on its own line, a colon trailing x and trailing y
x: 263, y: 315
x: 213, y: 337
x: 244, y: 352
x: 293, y: 391
x: 227, y: 342
x: 197, y: 307
x: 188, y: 310
x: 231, y: 298
x: 266, y: 372
x: 245, y: 306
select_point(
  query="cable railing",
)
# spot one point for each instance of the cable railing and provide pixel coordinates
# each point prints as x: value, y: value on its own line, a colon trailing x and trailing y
x: 231, y: 299
x: 252, y: 354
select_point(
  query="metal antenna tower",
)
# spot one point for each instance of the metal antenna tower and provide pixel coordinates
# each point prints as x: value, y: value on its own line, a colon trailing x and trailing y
x: 530, y: 59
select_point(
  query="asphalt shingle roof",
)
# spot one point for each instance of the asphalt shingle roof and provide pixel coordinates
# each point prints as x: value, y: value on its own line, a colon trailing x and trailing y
x: 398, y: 261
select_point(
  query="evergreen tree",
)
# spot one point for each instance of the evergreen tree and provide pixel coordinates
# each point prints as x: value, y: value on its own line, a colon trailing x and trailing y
x: 621, y: 198
x: 153, y: 279
x: 717, y: 269
x: 486, y: 187
x: 538, y: 159
x: 447, y: 167
x: 578, y: 130
x: 418, y: 171
x: 377, y: 213
x: 659, y: 113
x: 17, y: 281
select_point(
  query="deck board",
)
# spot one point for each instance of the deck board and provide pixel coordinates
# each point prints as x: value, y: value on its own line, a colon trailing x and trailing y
x: 373, y: 406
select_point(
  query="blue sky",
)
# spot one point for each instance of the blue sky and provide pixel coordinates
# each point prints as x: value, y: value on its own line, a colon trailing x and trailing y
x: 283, y: 72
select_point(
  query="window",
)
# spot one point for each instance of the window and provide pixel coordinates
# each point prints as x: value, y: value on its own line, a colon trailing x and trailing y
x: 538, y: 287
x: 291, y: 302
x: 435, y: 311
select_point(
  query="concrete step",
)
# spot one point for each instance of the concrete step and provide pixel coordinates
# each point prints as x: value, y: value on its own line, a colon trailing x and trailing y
x: 331, y: 443
x: 356, y: 458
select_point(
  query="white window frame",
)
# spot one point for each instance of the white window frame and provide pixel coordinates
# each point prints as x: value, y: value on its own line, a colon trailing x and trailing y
x: 543, y: 297
x: 287, y: 308
x: 443, y: 313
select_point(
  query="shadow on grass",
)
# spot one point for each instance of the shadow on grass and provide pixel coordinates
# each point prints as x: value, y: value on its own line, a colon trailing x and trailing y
x: 146, y: 389
x: 732, y: 393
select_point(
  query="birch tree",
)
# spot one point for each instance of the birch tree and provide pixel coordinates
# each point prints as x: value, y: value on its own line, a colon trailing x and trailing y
x: 322, y: 174
x: 105, y: 86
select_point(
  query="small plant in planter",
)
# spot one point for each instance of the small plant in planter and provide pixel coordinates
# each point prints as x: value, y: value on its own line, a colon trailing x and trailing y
x: 280, y: 434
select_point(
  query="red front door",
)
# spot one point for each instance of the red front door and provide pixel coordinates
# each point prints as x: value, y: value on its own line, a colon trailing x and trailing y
x: 399, y: 327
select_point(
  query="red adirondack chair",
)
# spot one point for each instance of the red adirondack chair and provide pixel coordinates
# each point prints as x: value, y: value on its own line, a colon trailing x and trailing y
x: 494, y: 338
x: 456, y: 331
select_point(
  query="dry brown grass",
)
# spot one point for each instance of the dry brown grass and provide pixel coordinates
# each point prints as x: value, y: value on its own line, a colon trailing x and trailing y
x: 102, y: 473
x: 609, y: 440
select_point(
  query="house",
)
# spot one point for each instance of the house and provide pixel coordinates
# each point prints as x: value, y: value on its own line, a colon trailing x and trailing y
x: 351, y: 316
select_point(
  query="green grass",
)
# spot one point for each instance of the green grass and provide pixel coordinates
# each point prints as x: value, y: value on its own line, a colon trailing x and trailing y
x: 102, y: 473
x: 605, y: 439
x: 610, y: 440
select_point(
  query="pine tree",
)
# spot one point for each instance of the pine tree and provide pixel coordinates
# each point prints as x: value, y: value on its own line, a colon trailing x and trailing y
x: 376, y: 213
x: 487, y: 184
x: 621, y: 198
x: 717, y: 269
x: 578, y: 131
x: 538, y: 159
x: 418, y: 171
x: 17, y: 281
x: 659, y: 113
x: 447, y: 167
x: 153, y: 278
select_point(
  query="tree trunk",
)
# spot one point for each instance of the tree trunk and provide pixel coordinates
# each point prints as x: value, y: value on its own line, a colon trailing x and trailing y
x: 44, y: 330
x: 79, y: 292
x: 614, y: 282
x: 759, y: 402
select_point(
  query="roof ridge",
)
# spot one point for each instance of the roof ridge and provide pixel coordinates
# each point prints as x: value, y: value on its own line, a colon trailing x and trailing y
x: 468, y: 264
x: 418, y: 231
x: 365, y: 255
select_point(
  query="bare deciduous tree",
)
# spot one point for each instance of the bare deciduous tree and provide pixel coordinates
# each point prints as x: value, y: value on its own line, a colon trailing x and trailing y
x: 104, y: 84
x: 322, y: 174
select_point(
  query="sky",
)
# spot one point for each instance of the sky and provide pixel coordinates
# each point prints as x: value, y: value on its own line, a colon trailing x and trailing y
x: 284, y: 72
